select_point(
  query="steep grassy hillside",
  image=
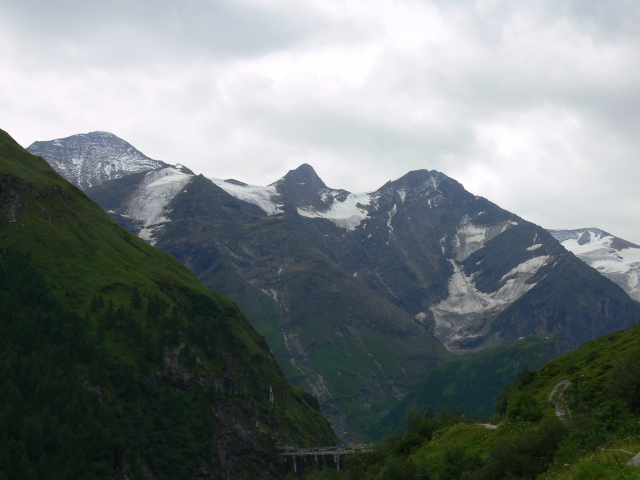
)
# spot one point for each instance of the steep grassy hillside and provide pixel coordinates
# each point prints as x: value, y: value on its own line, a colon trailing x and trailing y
x: 115, y: 360
x: 578, y: 417
x: 469, y: 382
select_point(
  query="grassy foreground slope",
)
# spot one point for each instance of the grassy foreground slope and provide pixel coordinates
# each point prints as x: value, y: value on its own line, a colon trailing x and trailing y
x: 115, y: 360
x: 469, y: 382
x: 594, y: 389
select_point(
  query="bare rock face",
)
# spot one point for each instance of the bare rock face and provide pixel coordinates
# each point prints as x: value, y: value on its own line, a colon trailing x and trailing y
x: 635, y: 461
x: 9, y: 198
x: 176, y: 375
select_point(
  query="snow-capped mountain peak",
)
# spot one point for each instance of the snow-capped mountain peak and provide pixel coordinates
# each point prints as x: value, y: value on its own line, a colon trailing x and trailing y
x: 91, y: 158
x: 311, y: 197
x: 615, y: 258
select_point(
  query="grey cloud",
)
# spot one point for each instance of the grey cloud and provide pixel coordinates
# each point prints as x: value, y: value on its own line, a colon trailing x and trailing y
x: 605, y: 20
x: 355, y: 136
x: 135, y: 32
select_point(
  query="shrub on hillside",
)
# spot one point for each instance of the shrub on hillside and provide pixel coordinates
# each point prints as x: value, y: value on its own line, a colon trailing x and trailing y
x: 523, y: 406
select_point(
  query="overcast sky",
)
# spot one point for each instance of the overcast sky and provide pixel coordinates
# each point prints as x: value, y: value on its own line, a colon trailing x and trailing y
x: 532, y: 104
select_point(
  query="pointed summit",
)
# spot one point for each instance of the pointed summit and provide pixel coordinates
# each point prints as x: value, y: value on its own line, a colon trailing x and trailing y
x: 302, y: 187
x: 421, y: 185
x: 304, y: 177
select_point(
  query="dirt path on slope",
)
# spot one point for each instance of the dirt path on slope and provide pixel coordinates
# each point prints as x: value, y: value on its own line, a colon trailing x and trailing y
x: 490, y: 426
x: 559, y: 403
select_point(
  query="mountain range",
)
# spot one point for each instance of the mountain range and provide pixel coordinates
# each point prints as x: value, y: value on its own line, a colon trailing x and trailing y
x: 116, y: 362
x: 613, y: 257
x: 360, y: 296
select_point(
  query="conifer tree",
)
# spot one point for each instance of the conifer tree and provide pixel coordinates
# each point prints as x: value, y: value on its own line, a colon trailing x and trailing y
x: 136, y: 300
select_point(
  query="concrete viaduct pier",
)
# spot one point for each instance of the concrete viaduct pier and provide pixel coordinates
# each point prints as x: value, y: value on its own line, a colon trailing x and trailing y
x: 298, y: 460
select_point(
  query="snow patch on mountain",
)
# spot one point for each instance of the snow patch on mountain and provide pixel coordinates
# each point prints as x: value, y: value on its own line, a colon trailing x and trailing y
x: 531, y: 266
x: 150, y: 201
x: 510, y: 223
x: 597, y: 249
x: 256, y: 195
x: 329, y: 195
x: 470, y: 238
x: 347, y: 214
x: 392, y: 213
x: 461, y: 315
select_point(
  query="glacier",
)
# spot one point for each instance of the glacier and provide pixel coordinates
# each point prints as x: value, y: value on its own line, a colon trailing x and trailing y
x: 461, y: 314
x: 256, y: 195
x: 347, y: 214
x: 154, y: 194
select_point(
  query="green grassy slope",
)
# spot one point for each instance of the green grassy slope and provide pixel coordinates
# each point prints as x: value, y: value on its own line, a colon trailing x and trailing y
x: 600, y: 432
x: 103, y: 333
x: 470, y: 382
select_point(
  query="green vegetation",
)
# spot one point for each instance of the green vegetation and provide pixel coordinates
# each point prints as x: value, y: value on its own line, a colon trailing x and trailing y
x: 115, y: 360
x: 358, y: 363
x: 471, y: 382
x: 600, y: 435
x: 55, y: 426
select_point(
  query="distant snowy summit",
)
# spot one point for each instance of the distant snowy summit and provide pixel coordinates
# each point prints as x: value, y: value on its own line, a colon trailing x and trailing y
x: 91, y: 158
x: 303, y: 191
x: 615, y: 258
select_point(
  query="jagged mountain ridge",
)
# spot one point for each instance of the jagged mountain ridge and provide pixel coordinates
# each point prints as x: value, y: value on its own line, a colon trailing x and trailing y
x: 92, y: 158
x: 613, y: 257
x: 426, y: 264
x: 350, y: 289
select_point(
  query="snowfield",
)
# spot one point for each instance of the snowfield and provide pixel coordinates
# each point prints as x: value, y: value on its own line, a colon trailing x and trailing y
x: 260, y: 196
x: 347, y: 214
x: 596, y: 248
x: 470, y: 238
x: 154, y: 194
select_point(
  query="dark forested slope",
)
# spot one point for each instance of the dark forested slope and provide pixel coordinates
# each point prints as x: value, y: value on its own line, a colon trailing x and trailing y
x: 115, y: 360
